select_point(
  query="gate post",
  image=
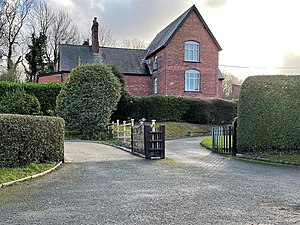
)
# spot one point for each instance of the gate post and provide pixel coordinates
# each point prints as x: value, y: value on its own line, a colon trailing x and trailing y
x: 234, y: 141
x: 163, y: 138
x: 147, y: 139
x: 132, y: 138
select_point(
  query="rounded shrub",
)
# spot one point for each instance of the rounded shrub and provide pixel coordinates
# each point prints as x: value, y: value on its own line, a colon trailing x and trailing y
x: 88, y: 98
x: 19, y: 102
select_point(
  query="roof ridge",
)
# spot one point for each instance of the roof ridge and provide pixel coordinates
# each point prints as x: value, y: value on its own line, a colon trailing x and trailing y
x: 164, y: 36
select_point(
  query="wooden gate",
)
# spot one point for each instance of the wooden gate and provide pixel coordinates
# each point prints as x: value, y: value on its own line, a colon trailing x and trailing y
x: 148, y: 142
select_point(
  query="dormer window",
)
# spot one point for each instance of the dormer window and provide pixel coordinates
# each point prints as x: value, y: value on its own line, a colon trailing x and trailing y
x: 191, y: 51
x: 155, y: 64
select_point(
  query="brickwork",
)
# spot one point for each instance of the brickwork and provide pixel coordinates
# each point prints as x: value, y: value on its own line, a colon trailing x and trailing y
x: 236, y: 89
x: 138, y: 85
x: 58, y: 77
x: 171, y: 71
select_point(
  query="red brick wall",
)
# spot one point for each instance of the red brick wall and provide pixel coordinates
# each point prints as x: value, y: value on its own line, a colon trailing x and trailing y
x: 171, y: 72
x: 236, y: 89
x: 139, y: 85
x: 54, y: 78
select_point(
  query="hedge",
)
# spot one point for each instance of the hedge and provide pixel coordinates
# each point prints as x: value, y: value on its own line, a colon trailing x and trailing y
x: 172, y: 108
x: 45, y: 93
x: 268, y: 116
x: 20, y: 102
x: 30, y: 139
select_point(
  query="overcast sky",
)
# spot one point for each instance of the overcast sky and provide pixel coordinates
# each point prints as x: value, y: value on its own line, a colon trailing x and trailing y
x: 257, y: 36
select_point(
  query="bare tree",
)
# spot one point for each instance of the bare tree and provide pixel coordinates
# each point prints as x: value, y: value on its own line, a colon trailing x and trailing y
x: 133, y: 44
x: 58, y: 27
x: 2, y: 25
x: 105, y: 36
x: 14, y: 15
x: 227, y: 83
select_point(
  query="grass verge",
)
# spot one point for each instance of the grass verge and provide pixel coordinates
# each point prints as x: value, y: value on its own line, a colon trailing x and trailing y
x: 11, y: 174
x: 207, y: 143
x: 178, y: 130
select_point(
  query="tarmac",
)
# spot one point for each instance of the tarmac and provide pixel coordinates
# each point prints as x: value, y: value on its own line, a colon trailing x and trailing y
x: 101, y: 184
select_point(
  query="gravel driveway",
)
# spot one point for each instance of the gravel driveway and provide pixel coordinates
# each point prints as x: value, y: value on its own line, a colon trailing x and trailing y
x: 104, y: 185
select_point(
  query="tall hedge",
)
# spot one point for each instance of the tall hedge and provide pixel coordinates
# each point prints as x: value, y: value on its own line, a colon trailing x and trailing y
x: 268, y: 115
x: 174, y: 108
x: 45, y: 93
x: 162, y: 108
x: 88, y: 98
x: 27, y: 139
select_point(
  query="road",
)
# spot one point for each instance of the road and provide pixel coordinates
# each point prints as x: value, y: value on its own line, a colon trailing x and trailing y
x: 104, y: 185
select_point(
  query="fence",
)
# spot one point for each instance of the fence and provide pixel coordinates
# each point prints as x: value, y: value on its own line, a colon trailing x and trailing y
x: 224, y: 139
x: 122, y: 131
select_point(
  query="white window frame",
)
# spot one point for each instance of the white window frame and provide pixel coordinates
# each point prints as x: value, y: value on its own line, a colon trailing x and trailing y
x: 155, y: 64
x: 191, y: 51
x: 192, y: 81
x: 155, y: 86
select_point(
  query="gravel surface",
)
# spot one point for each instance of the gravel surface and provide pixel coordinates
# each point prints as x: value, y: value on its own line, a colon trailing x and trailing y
x: 105, y: 185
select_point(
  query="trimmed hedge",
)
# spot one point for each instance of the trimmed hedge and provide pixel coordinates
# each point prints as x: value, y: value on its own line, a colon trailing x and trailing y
x: 88, y: 98
x: 45, y: 93
x: 30, y: 139
x: 20, y: 102
x: 162, y: 108
x: 172, y: 108
x: 268, y: 116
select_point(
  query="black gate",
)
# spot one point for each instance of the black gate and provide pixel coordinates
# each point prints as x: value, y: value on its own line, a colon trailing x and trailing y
x: 148, y: 142
x: 224, y: 138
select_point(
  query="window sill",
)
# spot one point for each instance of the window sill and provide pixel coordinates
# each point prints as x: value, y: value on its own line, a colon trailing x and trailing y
x: 192, y: 91
x: 191, y: 61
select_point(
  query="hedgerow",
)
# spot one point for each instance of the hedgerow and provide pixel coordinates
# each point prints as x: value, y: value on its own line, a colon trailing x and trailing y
x: 45, y: 93
x: 268, y: 116
x: 30, y: 139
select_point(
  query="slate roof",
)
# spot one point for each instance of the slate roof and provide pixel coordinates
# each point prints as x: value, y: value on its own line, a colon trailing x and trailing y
x: 162, y: 39
x: 128, y: 61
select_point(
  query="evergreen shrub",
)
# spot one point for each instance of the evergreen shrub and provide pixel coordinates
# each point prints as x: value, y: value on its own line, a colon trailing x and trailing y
x: 268, y: 116
x: 30, y: 139
x: 45, y: 93
x: 19, y: 102
x: 90, y: 95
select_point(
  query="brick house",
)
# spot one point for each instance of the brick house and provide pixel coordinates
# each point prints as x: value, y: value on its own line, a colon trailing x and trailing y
x: 182, y: 60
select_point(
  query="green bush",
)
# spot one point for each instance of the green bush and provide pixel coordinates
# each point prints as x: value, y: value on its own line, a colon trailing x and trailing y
x: 172, y: 108
x: 45, y: 93
x: 20, y: 102
x: 127, y: 108
x: 162, y: 108
x: 222, y: 111
x: 268, y: 115
x: 30, y: 139
x: 88, y: 98
x: 198, y: 112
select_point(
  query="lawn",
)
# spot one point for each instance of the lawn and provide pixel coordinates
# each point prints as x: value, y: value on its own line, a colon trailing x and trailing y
x: 207, y: 143
x: 11, y: 174
x: 177, y: 130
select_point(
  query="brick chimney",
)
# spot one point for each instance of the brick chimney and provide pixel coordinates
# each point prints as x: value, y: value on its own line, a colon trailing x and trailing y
x: 95, y: 38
